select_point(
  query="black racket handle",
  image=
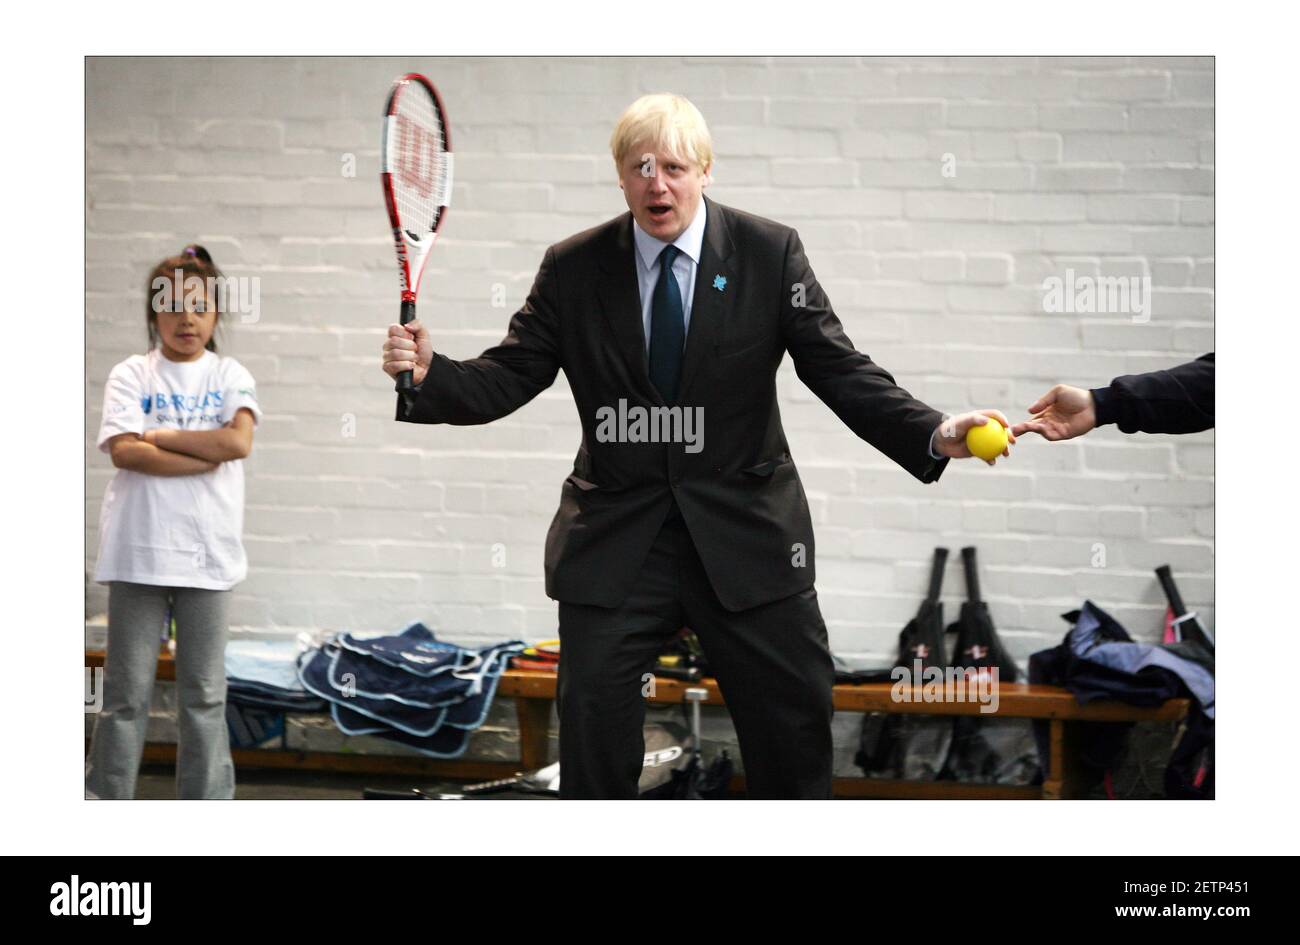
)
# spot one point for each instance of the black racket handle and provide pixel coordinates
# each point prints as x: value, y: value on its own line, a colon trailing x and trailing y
x: 380, y: 794
x: 1175, y: 599
x: 936, y: 573
x: 972, y: 573
x: 405, y: 382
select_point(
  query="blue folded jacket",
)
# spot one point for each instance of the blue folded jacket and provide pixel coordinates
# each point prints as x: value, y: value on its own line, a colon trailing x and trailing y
x: 410, y: 687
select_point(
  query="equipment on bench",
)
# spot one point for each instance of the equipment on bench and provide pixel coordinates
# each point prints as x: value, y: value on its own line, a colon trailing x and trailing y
x: 986, y: 750
x: 1190, y: 773
x: 543, y: 656
x: 1180, y: 623
x: 1099, y: 660
x: 913, y: 747
x: 683, y: 658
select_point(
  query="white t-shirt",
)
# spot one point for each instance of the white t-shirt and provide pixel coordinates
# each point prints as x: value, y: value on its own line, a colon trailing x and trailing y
x: 174, y: 531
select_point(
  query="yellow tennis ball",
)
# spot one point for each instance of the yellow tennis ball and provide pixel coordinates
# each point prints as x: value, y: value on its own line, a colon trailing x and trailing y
x: 988, y: 441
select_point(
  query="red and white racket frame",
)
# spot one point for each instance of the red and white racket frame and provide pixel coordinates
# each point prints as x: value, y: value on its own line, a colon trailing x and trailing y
x: 412, y: 249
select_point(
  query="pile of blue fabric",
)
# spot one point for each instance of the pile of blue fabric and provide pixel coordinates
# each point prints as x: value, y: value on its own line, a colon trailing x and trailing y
x: 410, y: 688
x: 261, y: 685
x: 1099, y: 660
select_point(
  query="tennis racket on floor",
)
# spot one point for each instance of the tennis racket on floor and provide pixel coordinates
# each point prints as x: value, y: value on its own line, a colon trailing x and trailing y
x: 415, y: 168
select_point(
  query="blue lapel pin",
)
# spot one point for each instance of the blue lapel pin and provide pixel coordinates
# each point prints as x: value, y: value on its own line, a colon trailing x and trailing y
x: 719, y: 282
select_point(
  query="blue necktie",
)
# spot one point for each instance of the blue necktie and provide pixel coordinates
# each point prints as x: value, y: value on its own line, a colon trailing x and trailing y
x: 667, y: 328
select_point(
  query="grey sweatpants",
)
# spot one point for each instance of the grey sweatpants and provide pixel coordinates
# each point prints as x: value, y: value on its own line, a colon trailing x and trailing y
x: 136, y: 613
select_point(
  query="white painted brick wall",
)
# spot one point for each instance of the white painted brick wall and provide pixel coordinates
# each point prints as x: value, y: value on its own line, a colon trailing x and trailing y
x: 1100, y: 165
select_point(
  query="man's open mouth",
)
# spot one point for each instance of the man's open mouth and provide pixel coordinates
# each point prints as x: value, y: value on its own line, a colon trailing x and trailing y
x: 659, y: 210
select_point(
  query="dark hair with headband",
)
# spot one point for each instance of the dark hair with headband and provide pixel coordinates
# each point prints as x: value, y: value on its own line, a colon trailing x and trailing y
x: 193, y: 260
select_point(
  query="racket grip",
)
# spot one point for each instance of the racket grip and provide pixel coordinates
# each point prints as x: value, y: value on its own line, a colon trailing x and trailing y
x: 936, y: 573
x: 405, y: 381
x: 972, y: 574
x: 1166, y: 578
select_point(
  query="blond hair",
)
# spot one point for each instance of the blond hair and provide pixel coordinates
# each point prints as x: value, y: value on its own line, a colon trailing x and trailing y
x: 669, y: 123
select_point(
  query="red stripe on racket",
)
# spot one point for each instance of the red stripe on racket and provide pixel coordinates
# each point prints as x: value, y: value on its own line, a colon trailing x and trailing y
x: 416, y: 172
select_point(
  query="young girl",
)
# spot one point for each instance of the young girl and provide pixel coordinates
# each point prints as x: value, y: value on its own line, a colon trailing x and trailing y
x: 178, y: 422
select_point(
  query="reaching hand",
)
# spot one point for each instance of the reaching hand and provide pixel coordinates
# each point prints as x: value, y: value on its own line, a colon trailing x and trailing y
x: 951, y: 438
x: 1061, y: 414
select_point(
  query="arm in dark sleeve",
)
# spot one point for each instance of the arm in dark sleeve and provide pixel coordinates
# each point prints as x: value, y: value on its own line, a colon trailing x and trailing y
x: 1179, y: 400
x: 503, y: 378
x: 860, y: 392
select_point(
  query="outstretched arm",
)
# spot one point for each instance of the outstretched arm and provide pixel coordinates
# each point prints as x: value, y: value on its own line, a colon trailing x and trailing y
x: 862, y: 393
x: 496, y: 383
x: 1179, y: 400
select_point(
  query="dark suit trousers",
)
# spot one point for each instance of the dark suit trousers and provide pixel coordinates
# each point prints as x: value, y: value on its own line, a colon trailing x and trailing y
x: 772, y: 663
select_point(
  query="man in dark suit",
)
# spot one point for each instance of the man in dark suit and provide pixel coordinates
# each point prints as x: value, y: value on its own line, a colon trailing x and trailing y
x: 684, y: 507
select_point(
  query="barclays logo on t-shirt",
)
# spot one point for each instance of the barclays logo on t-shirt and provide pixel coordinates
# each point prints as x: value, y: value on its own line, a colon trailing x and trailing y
x: 180, y: 402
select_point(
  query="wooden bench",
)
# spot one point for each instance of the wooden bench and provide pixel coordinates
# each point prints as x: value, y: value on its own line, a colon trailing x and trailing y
x: 534, y: 694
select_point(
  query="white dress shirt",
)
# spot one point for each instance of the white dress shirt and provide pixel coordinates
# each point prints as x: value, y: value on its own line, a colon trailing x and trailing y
x: 691, y: 242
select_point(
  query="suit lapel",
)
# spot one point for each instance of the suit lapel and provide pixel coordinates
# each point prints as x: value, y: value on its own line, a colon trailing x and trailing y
x: 711, y: 304
x: 713, y: 300
x: 620, y: 300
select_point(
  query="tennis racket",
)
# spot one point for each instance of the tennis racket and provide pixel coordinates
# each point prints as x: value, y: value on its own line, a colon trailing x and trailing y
x: 1186, y: 624
x: 415, y: 168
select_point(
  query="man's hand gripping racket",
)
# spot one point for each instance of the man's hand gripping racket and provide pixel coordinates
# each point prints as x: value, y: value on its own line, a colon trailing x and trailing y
x: 415, y: 169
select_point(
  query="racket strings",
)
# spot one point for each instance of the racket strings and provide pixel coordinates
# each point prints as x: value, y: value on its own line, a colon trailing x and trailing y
x: 420, y: 168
